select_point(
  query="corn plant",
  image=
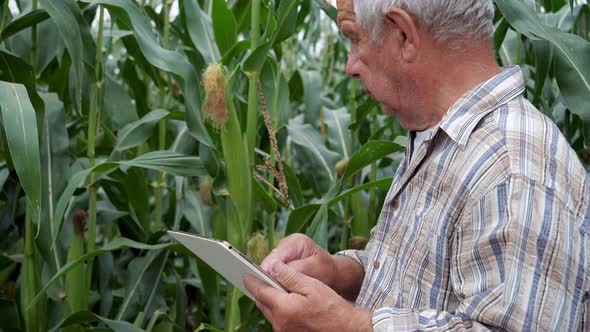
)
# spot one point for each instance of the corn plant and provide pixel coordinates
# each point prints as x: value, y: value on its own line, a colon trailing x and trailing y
x: 121, y: 119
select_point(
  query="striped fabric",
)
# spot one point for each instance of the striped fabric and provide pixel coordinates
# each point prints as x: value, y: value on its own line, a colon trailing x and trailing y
x: 486, y: 228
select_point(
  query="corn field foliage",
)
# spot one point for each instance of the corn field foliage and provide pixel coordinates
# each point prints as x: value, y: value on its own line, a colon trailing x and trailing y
x: 121, y: 119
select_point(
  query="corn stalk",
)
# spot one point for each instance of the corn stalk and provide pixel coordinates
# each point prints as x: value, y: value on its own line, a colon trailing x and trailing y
x: 95, y: 101
x: 161, y: 182
x: 252, y: 84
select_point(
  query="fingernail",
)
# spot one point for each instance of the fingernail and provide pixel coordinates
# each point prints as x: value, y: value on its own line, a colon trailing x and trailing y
x: 277, y: 267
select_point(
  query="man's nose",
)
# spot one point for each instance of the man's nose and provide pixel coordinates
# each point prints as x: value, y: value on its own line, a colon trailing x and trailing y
x: 352, y: 66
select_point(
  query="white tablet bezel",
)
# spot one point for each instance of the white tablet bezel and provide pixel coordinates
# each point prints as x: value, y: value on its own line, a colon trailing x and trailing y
x: 228, y: 256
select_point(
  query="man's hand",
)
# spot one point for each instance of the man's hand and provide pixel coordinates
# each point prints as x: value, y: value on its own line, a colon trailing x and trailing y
x: 311, y: 305
x: 343, y: 274
x: 304, y: 256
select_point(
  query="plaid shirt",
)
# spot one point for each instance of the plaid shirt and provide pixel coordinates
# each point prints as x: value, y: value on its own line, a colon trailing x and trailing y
x: 487, y: 227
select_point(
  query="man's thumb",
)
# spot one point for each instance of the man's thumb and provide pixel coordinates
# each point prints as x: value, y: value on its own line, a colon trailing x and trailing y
x: 294, y: 281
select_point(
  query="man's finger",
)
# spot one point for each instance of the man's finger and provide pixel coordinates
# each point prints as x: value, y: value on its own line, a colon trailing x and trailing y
x: 300, y: 266
x: 263, y: 292
x: 293, y: 247
x: 284, y: 253
x: 274, y: 255
x: 294, y: 281
x: 265, y: 311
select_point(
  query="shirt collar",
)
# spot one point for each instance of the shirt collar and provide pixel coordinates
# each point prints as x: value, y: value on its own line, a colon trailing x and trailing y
x: 462, y: 118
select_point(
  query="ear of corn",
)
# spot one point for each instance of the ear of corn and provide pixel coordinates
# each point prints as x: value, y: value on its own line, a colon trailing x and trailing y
x: 35, y: 317
x: 76, y: 290
x: 151, y: 61
x: 257, y: 248
x: 219, y: 108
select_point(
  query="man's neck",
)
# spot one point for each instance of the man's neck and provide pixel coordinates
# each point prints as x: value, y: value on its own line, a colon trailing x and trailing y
x: 451, y: 77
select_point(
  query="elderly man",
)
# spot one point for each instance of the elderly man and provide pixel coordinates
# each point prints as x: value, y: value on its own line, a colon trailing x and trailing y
x: 486, y: 225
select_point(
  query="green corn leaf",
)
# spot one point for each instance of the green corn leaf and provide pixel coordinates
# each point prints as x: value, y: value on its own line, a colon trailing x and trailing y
x: 224, y: 26
x: 20, y: 126
x: 572, y: 55
x: 382, y: 184
x: 75, y: 182
x: 500, y: 35
x: 86, y: 317
x: 256, y: 59
x: 371, y: 152
x: 200, y: 31
x: 253, y: 64
x: 5, y: 14
x: 118, y: 109
x: 207, y: 327
x: 285, y: 20
x: 131, y: 15
x: 263, y: 196
x: 197, y: 214
x: 337, y: 131
x: 330, y: 10
x: 543, y: 60
x: 138, y: 132
x: 4, y: 172
x: 22, y: 22
x: 144, y: 277
x: 318, y: 230
x: 11, y: 320
x: 295, y: 190
x: 138, y: 193
x: 237, y: 50
x: 288, y: 9
x: 116, y: 244
x: 55, y: 158
x: 181, y: 301
x: 312, y: 83
x: 238, y: 174
x: 320, y: 161
x: 75, y: 33
x: 7, y: 265
x: 16, y: 70
x: 210, y: 280
x: 166, y: 161
x: 300, y: 217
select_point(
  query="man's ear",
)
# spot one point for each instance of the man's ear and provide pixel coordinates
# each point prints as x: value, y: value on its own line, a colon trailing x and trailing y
x: 403, y: 28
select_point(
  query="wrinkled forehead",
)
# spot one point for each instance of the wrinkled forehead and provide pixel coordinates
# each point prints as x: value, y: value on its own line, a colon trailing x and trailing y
x: 345, y: 11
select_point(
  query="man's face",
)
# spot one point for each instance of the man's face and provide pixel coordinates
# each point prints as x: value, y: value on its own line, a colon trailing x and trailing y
x: 378, y: 67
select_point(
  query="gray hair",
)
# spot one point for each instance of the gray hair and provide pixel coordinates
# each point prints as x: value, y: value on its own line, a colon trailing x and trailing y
x: 446, y: 19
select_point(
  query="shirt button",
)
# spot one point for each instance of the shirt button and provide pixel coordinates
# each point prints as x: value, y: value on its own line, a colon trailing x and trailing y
x: 376, y: 265
x: 394, y: 204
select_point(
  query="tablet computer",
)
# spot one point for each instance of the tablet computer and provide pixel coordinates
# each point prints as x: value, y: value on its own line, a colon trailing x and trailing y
x: 226, y: 260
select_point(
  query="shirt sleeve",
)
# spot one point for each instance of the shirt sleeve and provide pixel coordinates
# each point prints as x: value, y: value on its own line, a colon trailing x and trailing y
x: 518, y: 262
x: 360, y: 256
